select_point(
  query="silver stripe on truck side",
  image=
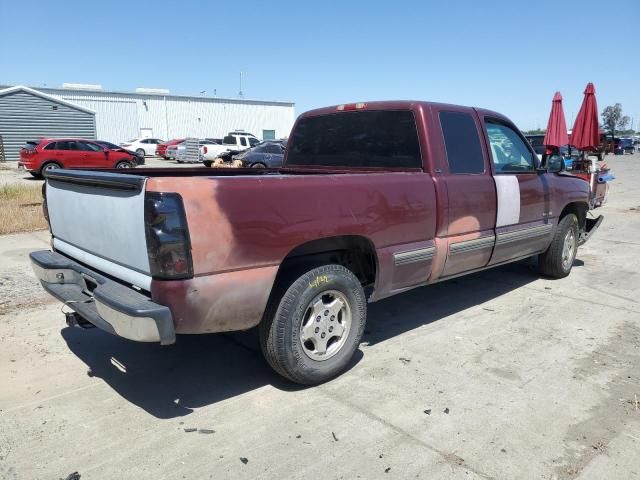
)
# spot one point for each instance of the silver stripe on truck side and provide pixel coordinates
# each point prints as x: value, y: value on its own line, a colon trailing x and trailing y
x: 412, y: 256
x: 472, y: 245
x: 517, y: 235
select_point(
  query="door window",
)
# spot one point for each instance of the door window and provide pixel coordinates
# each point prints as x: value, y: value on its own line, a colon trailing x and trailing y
x: 462, y: 142
x: 509, y: 151
x: 253, y: 141
x: 88, y: 147
x: 243, y: 141
x: 51, y: 146
x: 65, y: 145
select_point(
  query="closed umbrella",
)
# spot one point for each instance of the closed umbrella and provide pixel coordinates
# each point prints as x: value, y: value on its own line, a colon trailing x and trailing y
x: 556, y: 135
x: 586, y: 131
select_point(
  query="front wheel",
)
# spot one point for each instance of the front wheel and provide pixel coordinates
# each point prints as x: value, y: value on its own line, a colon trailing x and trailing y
x: 140, y: 152
x: 123, y: 164
x: 310, y: 334
x: 557, y: 261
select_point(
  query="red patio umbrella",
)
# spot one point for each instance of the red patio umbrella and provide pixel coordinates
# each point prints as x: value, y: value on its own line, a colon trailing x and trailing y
x: 586, y: 131
x: 556, y: 135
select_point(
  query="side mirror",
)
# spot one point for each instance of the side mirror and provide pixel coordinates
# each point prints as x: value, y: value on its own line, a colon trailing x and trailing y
x: 555, y: 163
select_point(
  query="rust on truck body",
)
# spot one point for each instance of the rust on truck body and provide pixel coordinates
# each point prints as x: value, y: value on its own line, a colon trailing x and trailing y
x: 425, y: 225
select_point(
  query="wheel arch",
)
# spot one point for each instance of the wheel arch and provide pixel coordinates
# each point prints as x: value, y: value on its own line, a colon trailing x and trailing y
x: 355, y: 252
x: 579, y: 209
x: 47, y: 162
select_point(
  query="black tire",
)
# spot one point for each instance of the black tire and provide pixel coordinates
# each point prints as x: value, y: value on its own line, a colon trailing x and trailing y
x: 48, y: 166
x: 280, y: 329
x: 140, y: 152
x: 124, y: 164
x: 258, y: 165
x: 557, y: 262
x: 35, y: 174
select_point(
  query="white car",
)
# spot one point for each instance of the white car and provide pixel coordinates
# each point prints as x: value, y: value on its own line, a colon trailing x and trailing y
x: 234, y: 142
x: 142, y: 146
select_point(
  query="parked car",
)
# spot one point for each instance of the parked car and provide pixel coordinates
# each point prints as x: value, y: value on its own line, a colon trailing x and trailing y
x: 178, y: 152
x: 46, y: 154
x: 161, y: 149
x: 143, y: 146
x: 263, y: 155
x: 624, y: 145
x: 537, y: 142
x: 235, y: 142
x: 112, y: 146
x: 171, y: 153
x: 374, y: 199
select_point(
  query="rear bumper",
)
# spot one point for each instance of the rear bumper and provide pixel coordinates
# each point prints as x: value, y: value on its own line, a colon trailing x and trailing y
x: 107, y: 304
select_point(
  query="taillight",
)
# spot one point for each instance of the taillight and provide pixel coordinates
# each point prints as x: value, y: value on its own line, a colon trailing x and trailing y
x: 168, y: 244
x: 204, y: 150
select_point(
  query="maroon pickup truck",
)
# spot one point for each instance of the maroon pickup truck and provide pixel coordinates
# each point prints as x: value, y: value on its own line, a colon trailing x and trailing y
x: 373, y: 199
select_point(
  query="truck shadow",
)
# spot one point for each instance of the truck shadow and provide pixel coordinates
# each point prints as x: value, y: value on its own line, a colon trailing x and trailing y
x: 200, y: 370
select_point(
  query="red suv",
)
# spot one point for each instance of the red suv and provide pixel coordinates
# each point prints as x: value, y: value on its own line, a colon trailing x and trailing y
x: 161, y: 149
x: 49, y: 153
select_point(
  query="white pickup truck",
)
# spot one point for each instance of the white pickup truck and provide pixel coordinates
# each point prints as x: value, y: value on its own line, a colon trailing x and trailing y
x: 234, y: 142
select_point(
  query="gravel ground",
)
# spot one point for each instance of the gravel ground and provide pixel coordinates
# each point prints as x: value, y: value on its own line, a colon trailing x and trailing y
x: 496, y: 375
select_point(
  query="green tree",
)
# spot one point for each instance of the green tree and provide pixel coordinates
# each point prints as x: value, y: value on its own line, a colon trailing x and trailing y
x: 613, y: 120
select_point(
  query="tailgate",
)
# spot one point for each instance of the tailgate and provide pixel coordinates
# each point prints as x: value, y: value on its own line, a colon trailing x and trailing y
x: 97, y: 218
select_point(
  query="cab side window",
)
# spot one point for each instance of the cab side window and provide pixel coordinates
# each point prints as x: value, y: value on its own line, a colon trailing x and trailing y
x: 462, y: 143
x: 509, y: 152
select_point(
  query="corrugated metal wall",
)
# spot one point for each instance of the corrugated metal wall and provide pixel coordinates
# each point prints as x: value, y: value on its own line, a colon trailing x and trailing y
x: 121, y: 116
x: 24, y: 116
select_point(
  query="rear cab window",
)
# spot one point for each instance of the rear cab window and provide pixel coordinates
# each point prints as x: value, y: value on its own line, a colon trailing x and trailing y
x: 462, y: 143
x: 366, y: 139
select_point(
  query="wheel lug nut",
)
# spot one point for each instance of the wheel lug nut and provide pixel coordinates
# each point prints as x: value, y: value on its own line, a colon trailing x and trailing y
x: 326, y: 312
x: 333, y: 317
x: 318, y: 319
x: 330, y: 329
x: 323, y: 335
x: 317, y: 329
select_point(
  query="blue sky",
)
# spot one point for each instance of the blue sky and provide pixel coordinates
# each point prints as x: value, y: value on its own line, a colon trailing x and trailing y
x: 500, y: 54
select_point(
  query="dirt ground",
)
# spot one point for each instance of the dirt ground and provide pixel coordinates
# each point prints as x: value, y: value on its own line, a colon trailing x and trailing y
x: 500, y: 374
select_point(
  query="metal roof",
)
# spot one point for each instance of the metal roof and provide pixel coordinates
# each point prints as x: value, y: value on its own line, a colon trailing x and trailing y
x: 22, y: 88
x: 68, y: 91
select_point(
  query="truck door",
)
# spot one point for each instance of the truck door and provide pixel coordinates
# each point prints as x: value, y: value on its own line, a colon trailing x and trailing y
x: 471, y: 194
x: 522, y: 224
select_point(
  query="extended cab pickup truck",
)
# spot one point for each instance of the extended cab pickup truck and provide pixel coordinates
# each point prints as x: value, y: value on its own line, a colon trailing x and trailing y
x: 373, y: 199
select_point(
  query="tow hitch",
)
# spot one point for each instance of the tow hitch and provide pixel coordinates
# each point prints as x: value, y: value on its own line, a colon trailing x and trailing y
x: 590, y: 226
x: 75, y: 320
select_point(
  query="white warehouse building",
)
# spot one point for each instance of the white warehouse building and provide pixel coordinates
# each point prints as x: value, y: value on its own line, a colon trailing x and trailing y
x: 121, y: 116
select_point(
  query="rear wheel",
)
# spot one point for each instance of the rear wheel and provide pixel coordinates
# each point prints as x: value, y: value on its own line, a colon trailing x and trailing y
x: 35, y: 174
x: 47, y: 167
x: 123, y: 164
x: 140, y: 152
x: 557, y: 261
x: 309, y: 334
x: 258, y: 165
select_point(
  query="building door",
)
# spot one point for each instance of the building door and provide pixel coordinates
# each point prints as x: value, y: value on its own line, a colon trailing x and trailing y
x: 146, y: 132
